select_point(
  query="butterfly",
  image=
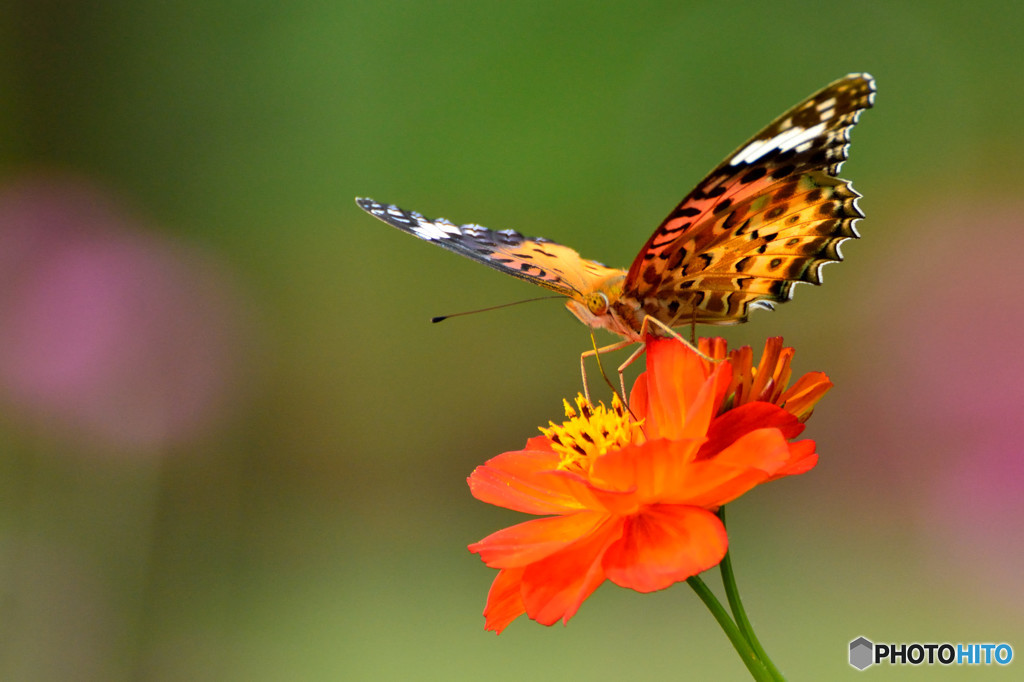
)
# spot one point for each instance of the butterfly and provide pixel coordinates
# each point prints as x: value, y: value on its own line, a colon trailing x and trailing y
x: 772, y: 214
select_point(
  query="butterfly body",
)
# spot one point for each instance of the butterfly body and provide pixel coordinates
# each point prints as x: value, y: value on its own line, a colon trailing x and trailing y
x: 769, y: 216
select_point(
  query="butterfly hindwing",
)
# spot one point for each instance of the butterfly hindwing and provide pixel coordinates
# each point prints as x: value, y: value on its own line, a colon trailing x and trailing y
x: 768, y: 216
x: 535, y: 259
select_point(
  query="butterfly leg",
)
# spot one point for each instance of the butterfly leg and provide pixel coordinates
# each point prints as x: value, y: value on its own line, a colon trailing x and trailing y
x: 649, y: 321
x: 596, y: 353
x: 644, y: 332
x: 634, y: 356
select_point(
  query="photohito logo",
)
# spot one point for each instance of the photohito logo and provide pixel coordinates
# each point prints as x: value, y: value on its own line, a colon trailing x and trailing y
x: 864, y: 652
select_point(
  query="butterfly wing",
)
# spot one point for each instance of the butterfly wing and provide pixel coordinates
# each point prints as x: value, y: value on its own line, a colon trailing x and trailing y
x: 535, y: 259
x: 769, y: 216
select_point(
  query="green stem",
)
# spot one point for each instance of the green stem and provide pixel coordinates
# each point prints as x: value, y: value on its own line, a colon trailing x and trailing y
x: 757, y: 669
x: 732, y: 593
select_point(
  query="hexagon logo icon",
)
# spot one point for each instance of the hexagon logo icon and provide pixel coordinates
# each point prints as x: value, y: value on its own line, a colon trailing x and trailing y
x: 861, y: 653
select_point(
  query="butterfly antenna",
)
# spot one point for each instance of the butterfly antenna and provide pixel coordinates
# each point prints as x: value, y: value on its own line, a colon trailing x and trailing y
x: 442, y: 318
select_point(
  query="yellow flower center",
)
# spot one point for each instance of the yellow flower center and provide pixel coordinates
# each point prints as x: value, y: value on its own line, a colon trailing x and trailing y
x: 591, y: 431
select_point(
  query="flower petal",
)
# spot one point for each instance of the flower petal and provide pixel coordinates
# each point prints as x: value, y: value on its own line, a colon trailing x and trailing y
x: 504, y: 600
x: 679, y: 393
x: 803, y: 458
x: 639, y: 399
x: 767, y: 375
x: 675, y: 387
x: 802, y: 396
x: 525, y: 480
x: 752, y: 459
x: 663, y: 545
x: 534, y: 540
x: 705, y: 404
x: 649, y: 472
x: 554, y: 588
x: 737, y: 422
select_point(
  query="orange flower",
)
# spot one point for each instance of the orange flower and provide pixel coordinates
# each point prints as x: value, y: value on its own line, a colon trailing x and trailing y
x: 632, y: 494
x: 768, y: 381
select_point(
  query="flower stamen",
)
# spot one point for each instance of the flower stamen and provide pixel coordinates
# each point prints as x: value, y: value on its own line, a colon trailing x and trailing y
x: 590, y: 431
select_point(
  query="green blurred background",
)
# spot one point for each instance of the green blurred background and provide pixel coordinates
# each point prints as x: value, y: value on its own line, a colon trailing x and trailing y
x: 233, y: 448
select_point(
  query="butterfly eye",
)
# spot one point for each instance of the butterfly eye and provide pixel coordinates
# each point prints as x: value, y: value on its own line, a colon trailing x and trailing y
x: 597, y: 303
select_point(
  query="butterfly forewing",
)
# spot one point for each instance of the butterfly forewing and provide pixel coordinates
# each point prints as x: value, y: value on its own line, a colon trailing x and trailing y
x: 770, y: 215
x: 535, y: 259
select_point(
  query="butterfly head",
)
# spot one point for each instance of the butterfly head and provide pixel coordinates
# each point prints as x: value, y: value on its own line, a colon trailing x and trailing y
x: 604, y: 307
x: 597, y: 303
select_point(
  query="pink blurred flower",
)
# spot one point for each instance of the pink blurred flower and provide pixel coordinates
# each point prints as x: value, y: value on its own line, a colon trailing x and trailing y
x: 108, y: 329
x: 952, y: 320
